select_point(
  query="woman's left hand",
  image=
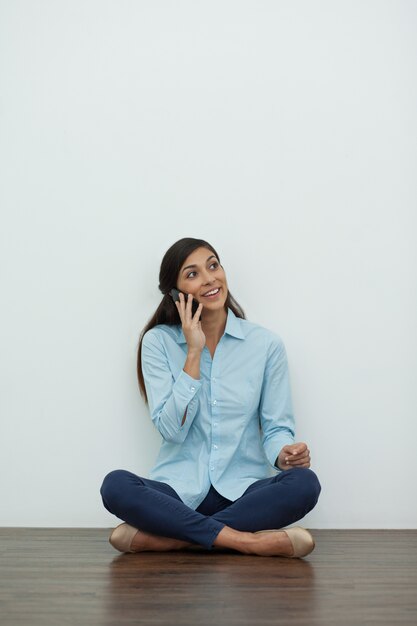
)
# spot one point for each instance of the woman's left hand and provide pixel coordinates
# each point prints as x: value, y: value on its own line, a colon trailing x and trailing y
x: 294, y: 455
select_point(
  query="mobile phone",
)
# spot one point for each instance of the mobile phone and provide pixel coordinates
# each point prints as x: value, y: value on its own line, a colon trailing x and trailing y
x: 176, y: 297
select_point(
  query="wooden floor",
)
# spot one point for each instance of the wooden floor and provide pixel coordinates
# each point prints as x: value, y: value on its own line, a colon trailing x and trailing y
x: 60, y: 577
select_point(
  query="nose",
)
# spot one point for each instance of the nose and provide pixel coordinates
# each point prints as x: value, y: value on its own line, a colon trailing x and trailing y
x: 208, y: 279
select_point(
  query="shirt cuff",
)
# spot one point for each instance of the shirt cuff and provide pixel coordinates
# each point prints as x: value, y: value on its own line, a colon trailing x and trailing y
x: 186, y: 386
x: 273, y: 448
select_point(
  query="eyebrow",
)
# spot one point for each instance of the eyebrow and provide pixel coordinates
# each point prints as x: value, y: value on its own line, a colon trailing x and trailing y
x: 213, y: 256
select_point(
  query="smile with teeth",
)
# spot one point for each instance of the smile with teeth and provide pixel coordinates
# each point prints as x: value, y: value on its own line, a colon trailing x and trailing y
x: 212, y: 294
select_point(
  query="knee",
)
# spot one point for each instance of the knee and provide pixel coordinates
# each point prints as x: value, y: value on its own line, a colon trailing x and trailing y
x: 309, y: 485
x: 111, y: 484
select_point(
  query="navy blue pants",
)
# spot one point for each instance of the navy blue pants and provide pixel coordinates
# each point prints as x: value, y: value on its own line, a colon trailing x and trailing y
x: 155, y: 507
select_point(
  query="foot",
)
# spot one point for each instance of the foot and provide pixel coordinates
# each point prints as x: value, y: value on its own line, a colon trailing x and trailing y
x: 147, y: 542
x: 269, y: 544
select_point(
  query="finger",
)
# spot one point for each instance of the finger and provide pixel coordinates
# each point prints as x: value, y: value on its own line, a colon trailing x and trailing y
x: 183, y: 304
x: 180, y: 302
x: 179, y: 306
x: 298, y: 462
x: 188, y: 305
x: 297, y: 448
x: 197, y: 313
x: 292, y: 457
x: 297, y: 466
x: 290, y: 449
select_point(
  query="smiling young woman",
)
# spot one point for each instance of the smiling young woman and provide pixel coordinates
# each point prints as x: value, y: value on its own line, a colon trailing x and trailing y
x: 228, y: 474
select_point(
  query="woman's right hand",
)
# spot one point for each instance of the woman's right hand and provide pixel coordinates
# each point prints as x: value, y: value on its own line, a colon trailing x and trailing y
x: 191, y: 326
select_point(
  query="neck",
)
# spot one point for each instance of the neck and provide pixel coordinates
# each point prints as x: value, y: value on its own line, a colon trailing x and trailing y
x: 213, y: 324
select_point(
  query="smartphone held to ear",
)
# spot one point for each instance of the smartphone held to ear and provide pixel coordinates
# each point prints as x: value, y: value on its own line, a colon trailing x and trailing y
x: 176, y: 297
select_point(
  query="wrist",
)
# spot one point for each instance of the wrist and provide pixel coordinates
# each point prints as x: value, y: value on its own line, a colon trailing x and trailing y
x: 192, y: 364
x: 194, y: 352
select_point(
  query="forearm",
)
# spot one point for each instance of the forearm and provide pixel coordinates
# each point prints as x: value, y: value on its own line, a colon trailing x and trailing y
x: 192, y: 368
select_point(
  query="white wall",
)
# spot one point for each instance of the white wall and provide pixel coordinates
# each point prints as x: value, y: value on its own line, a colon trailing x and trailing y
x: 282, y: 132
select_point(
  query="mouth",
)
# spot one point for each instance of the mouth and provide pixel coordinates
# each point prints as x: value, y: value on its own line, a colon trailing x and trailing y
x: 214, y: 295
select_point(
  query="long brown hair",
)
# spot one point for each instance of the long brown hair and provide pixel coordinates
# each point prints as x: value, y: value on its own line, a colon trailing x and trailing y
x: 167, y: 312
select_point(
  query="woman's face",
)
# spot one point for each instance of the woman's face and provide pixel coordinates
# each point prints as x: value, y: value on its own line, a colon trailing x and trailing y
x: 206, y: 275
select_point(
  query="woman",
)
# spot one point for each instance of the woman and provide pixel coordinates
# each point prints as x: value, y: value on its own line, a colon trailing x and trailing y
x: 228, y: 474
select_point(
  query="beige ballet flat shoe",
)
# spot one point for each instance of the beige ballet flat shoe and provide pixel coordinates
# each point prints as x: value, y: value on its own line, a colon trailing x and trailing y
x: 301, y: 539
x: 122, y: 536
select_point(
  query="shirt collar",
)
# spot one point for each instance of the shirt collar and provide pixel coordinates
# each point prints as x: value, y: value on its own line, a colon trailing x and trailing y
x: 233, y: 327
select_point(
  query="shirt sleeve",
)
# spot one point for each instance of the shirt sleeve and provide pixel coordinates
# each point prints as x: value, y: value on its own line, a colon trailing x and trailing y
x: 275, y: 406
x: 168, y: 397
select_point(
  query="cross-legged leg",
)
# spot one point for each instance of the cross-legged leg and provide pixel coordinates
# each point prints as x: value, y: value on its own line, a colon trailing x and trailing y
x: 270, y: 503
x: 156, y: 508
x: 273, y: 502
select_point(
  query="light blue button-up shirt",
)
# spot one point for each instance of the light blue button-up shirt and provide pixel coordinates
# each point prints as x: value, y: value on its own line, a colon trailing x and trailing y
x: 239, y: 412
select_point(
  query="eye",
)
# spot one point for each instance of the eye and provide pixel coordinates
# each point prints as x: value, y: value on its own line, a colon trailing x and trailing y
x: 215, y: 263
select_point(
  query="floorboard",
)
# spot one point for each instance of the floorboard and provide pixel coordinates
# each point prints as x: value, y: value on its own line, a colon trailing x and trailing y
x: 59, y: 577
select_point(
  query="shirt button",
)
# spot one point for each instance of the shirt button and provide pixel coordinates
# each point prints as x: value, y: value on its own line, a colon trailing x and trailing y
x: 212, y: 468
x: 213, y: 379
x: 192, y: 388
x: 215, y: 424
x: 215, y: 447
x: 214, y: 401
